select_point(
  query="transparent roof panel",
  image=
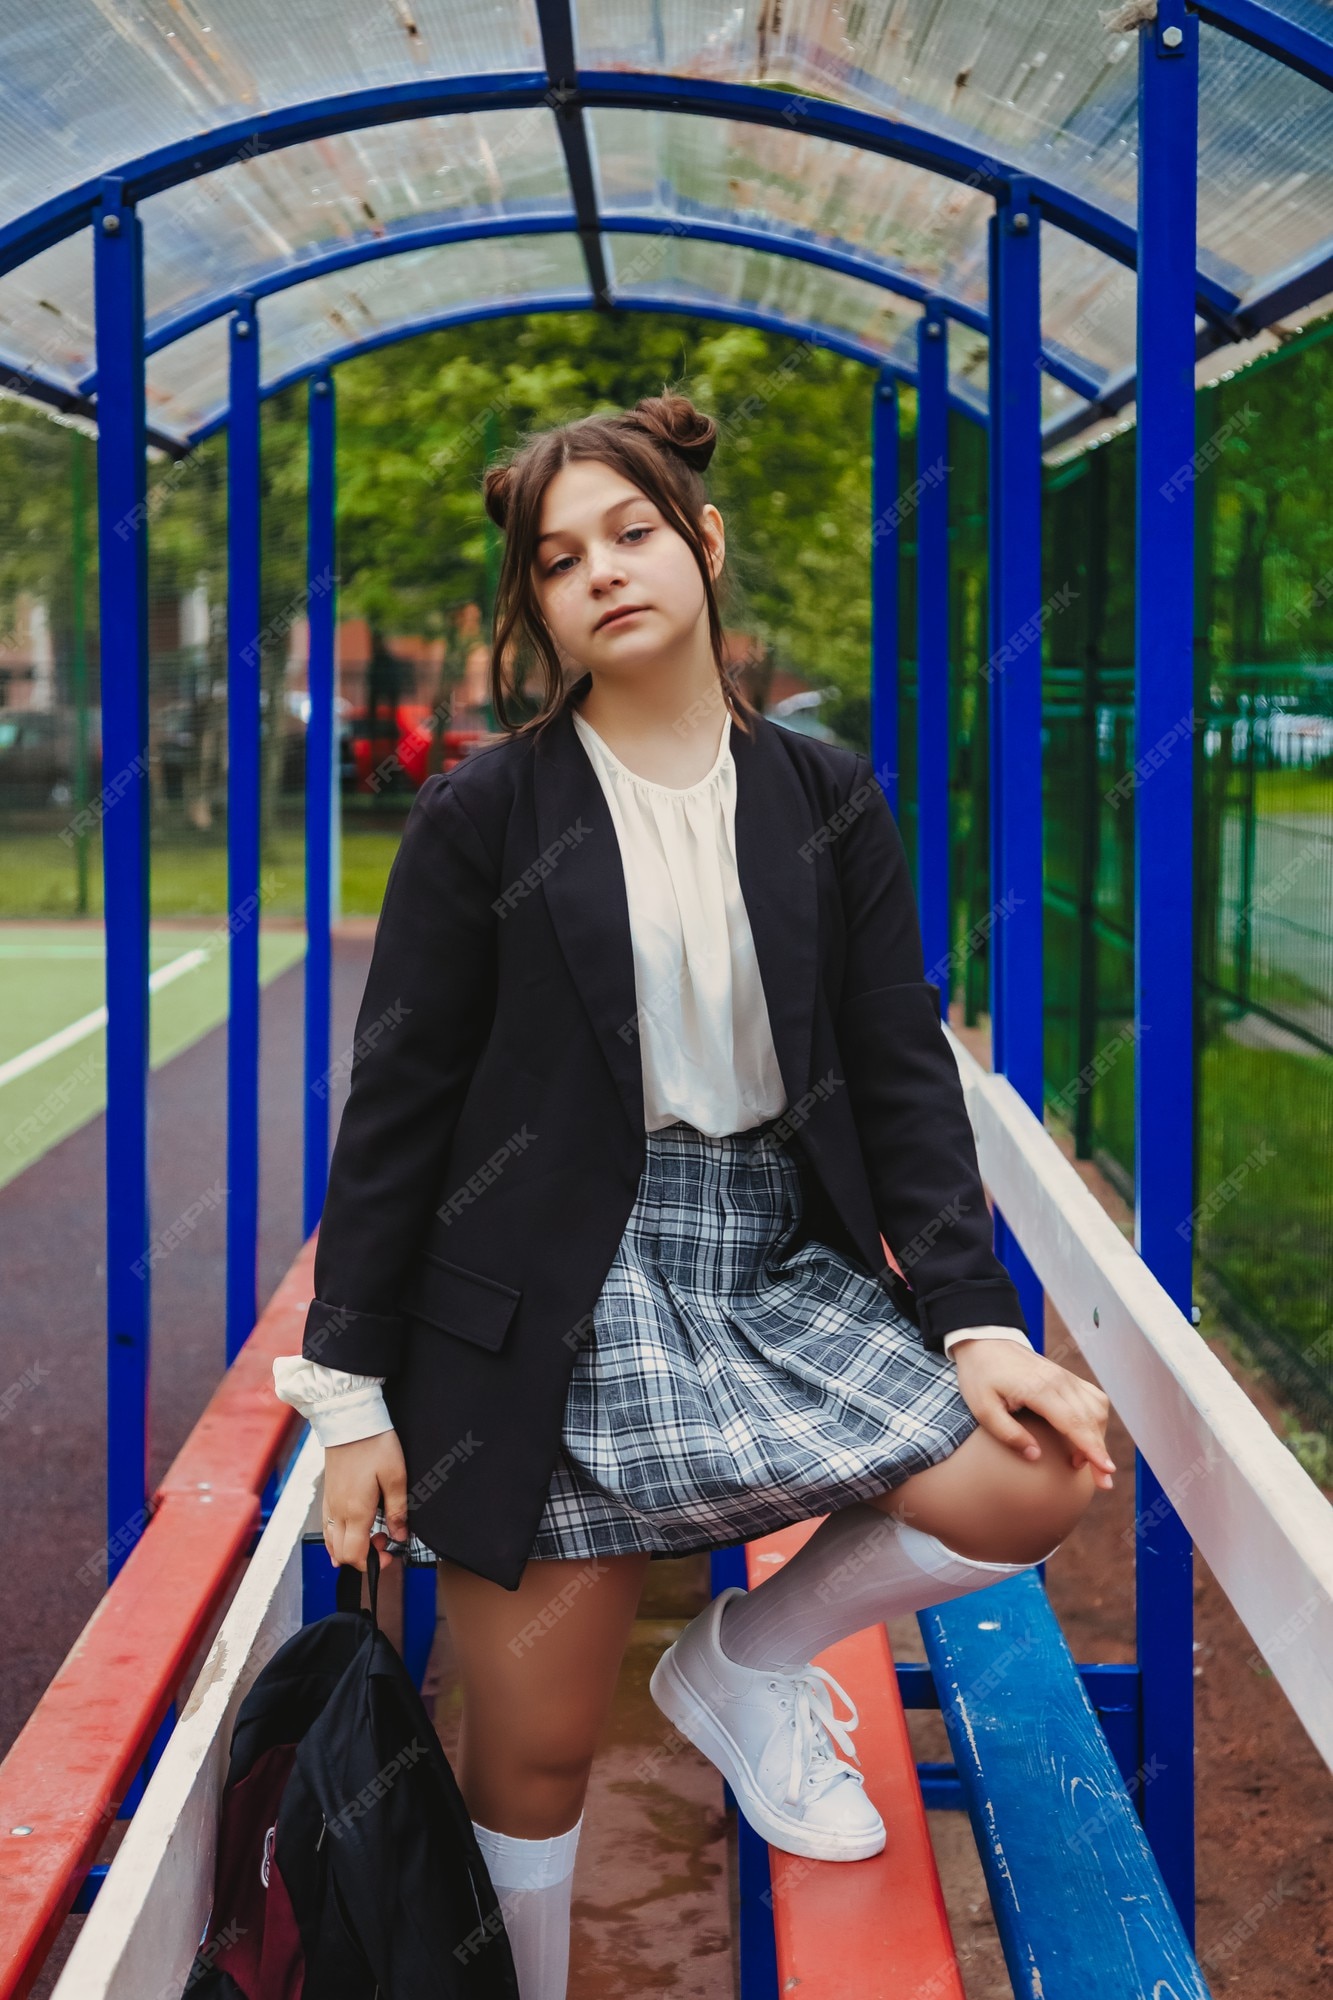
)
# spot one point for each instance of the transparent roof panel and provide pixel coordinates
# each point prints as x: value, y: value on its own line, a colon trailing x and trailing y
x: 300, y: 327
x: 86, y: 83
x: 765, y: 177
x: 1047, y: 87
x: 210, y: 236
x: 683, y: 271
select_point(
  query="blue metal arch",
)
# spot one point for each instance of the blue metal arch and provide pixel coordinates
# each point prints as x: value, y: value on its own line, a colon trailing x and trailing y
x: 820, y: 336
x: 894, y: 138
x: 401, y: 242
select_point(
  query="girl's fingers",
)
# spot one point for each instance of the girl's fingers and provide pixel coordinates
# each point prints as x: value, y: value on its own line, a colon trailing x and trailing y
x: 995, y: 1414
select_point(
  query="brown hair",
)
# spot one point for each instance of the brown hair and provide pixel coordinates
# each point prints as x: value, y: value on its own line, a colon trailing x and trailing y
x: 662, y: 446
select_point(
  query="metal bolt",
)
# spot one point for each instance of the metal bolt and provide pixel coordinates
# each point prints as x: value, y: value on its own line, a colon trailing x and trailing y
x: 1096, y: 1317
x: 933, y: 329
x: 1172, y: 37
x: 20, y: 1829
x: 321, y: 388
x: 242, y: 328
x: 1022, y: 222
x: 110, y: 224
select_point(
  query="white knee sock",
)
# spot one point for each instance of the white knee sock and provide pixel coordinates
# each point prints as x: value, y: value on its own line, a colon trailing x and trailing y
x: 534, y: 1880
x: 860, y: 1567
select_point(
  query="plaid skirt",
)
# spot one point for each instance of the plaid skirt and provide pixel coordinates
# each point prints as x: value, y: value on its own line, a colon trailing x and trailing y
x: 733, y: 1384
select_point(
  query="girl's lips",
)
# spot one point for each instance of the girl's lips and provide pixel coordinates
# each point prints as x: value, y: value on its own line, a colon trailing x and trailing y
x: 618, y: 617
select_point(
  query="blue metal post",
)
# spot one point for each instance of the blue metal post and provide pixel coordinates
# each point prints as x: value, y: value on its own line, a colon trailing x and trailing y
x: 122, y: 530
x: 1013, y: 675
x: 320, y: 797
x: 886, y: 513
x: 932, y: 647
x: 243, y: 724
x: 1164, y: 877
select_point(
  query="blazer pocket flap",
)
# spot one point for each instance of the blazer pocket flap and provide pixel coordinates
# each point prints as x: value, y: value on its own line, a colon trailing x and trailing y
x: 461, y: 1302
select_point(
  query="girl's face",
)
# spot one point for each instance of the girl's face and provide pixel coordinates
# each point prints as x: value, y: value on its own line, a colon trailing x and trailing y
x: 604, y: 546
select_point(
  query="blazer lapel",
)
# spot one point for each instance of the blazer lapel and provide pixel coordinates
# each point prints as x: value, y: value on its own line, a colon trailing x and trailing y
x: 586, y: 896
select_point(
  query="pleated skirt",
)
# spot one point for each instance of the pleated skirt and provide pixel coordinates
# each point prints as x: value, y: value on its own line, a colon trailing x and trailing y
x: 734, y: 1381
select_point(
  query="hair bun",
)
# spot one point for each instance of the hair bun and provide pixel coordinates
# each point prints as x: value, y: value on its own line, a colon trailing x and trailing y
x: 497, y: 486
x: 675, y: 421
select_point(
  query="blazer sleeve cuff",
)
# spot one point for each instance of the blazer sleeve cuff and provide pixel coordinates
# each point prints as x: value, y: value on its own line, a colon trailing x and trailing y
x: 989, y: 1302
x: 361, y: 1342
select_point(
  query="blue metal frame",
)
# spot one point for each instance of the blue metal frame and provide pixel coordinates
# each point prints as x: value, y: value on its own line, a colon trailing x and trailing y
x: 885, y: 610
x: 321, y: 795
x: 894, y: 138
x: 1013, y: 675
x: 244, y: 645
x: 1171, y: 291
x: 1164, y: 879
x: 727, y: 314
x: 701, y: 226
x: 122, y: 525
x: 932, y: 642
x: 1274, y: 34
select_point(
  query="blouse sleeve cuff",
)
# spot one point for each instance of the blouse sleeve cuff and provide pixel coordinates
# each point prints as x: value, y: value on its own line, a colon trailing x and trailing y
x: 985, y: 1333
x: 340, y: 1407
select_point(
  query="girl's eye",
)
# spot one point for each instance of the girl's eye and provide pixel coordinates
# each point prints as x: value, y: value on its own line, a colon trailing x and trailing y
x: 557, y: 570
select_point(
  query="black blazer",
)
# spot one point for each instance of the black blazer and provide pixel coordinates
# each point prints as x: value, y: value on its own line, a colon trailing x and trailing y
x: 491, y: 1145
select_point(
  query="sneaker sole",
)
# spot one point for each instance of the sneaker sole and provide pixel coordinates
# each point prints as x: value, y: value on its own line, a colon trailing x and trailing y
x: 692, y: 1717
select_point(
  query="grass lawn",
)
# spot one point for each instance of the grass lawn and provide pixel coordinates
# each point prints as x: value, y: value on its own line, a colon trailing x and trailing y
x: 38, y: 876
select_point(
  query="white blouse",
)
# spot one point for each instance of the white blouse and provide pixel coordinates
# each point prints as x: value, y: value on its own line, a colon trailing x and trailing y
x: 705, y: 1040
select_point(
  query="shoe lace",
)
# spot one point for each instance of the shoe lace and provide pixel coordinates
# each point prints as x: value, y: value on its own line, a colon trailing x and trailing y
x: 814, y: 1722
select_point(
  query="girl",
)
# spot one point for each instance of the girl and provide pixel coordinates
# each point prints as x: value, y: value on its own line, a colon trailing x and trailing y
x: 656, y: 964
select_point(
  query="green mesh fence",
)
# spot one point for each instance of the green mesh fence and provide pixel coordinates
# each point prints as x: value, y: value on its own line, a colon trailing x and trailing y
x: 1262, y: 739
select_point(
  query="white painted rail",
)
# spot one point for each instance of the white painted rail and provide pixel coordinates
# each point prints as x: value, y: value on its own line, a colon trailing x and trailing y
x: 1260, y: 1522
x: 139, y: 1939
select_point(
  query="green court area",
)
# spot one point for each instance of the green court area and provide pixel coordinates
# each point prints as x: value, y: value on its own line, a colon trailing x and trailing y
x: 52, y: 1017
x: 39, y: 872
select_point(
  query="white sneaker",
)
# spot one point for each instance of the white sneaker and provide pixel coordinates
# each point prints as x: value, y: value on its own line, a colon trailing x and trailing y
x: 768, y: 1732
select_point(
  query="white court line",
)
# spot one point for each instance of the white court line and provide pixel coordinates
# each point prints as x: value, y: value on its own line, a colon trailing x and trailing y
x: 88, y: 1024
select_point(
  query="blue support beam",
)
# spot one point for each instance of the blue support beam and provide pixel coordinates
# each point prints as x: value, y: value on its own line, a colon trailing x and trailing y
x: 817, y: 335
x: 404, y: 239
x: 1165, y: 739
x: 555, y: 18
x: 321, y: 794
x: 244, y: 646
x: 932, y: 642
x: 886, y: 513
x: 122, y: 530
x: 1013, y: 676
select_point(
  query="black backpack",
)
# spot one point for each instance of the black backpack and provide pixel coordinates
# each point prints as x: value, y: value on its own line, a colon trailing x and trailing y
x: 347, y: 1868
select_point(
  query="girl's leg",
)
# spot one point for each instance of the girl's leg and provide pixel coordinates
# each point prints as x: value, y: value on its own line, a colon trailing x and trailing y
x: 988, y: 1503
x: 978, y: 1516
x: 538, y: 1667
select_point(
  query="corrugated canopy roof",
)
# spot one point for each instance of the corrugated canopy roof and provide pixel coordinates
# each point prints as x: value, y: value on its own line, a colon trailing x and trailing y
x: 374, y: 166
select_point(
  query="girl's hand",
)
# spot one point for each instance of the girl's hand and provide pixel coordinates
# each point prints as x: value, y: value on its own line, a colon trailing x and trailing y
x: 999, y: 1376
x: 356, y: 1478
